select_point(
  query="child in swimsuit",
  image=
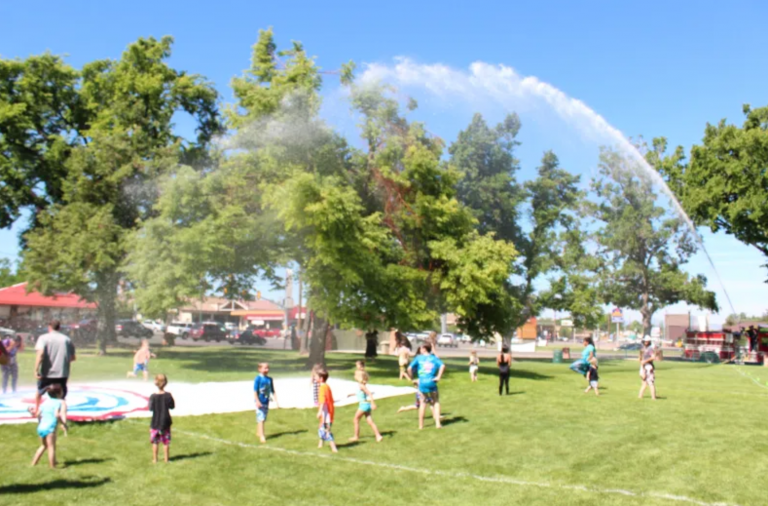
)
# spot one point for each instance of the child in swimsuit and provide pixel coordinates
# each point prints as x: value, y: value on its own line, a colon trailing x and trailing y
x: 474, y: 365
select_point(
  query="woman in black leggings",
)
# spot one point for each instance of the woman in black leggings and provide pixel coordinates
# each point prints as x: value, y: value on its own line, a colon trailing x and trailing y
x: 503, y: 360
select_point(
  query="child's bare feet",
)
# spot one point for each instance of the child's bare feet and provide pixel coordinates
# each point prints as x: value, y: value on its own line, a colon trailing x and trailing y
x: 320, y: 444
x: 379, y: 439
x: 262, y: 440
x: 353, y: 440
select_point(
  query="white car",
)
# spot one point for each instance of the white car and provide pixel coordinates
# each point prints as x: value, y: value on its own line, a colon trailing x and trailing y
x: 154, y: 326
x: 447, y: 340
x: 179, y: 329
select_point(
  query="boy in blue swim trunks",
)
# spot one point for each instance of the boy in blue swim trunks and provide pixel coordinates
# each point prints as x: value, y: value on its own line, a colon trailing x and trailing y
x: 263, y: 389
x: 429, y: 370
x: 141, y: 361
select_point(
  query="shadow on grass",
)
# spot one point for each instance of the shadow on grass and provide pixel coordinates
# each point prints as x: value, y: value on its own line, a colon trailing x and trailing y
x: 514, y: 373
x: 188, y: 456
x: 82, y: 462
x: 247, y: 360
x: 348, y: 444
x: 287, y: 433
x: 454, y: 419
x: 388, y: 432
x: 95, y: 421
x: 29, y: 488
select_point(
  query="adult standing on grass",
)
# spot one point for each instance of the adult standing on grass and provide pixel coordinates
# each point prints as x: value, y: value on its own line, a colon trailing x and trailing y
x: 55, y: 353
x: 581, y: 366
x: 430, y: 370
x: 11, y: 366
x: 503, y: 360
x: 647, y: 369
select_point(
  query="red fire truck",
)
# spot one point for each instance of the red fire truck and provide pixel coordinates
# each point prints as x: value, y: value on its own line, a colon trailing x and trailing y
x: 721, y: 346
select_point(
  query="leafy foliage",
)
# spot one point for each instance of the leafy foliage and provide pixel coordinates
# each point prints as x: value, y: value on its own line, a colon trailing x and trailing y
x: 642, y: 244
x: 725, y: 185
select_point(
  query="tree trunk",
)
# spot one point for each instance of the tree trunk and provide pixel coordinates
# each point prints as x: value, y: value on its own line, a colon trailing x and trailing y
x: 307, y: 327
x: 320, y: 328
x: 106, y: 295
x: 647, y: 314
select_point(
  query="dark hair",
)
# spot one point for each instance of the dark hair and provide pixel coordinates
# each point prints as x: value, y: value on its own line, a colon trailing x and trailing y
x: 55, y: 391
x: 505, y: 349
x: 589, y: 340
x: 323, y: 375
x: 55, y: 324
x: 427, y: 347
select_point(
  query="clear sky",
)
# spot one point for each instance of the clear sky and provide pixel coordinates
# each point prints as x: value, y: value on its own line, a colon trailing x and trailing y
x: 650, y: 68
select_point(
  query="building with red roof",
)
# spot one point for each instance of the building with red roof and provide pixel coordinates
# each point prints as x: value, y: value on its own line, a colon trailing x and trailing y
x: 17, y: 303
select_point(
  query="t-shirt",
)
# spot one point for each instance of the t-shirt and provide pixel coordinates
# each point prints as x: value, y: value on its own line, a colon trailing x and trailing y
x: 58, y: 351
x: 9, y: 343
x: 585, y: 354
x: 649, y: 352
x: 593, y: 373
x: 264, y: 387
x: 160, y: 406
x: 325, y: 400
x: 427, y: 367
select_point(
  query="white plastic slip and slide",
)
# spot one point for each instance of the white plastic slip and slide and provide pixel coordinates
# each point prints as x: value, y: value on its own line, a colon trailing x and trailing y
x: 128, y: 398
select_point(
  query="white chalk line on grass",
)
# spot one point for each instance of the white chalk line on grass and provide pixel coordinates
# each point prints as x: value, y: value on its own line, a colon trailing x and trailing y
x: 749, y: 376
x: 450, y: 474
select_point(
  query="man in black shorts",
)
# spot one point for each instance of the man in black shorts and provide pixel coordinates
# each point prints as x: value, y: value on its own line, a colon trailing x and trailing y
x: 55, y: 352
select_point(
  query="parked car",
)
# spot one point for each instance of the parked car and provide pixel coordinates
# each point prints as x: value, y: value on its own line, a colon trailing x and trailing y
x: 630, y: 347
x: 179, y: 329
x: 247, y: 336
x: 267, y: 332
x: 447, y: 340
x: 132, y: 328
x: 154, y: 325
x: 207, y: 332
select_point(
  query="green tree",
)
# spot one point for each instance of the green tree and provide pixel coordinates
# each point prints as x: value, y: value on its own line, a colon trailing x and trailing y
x: 725, y: 184
x: 8, y: 274
x: 643, y: 245
x: 124, y: 141
x: 38, y: 112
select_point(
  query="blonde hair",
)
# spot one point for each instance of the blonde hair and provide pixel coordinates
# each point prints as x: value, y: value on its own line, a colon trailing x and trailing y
x: 473, y: 353
x: 161, y: 380
x: 361, y: 376
x: 262, y: 365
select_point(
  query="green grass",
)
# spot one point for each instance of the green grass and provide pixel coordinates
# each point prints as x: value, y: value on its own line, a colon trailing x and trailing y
x: 703, y: 439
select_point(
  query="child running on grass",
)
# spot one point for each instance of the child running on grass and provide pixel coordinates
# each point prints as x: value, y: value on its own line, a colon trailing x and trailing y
x: 592, y: 376
x: 160, y: 404
x: 263, y: 389
x: 325, y: 411
x: 474, y: 365
x: 365, y: 406
x: 52, y: 411
x: 141, y: 361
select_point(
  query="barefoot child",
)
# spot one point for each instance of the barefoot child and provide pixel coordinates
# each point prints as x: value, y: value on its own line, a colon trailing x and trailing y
x: 365, y: 406
x: 474, y: 365
x: 592, y: 376
x: 160, y: 404
x: 403, y: 357
x: 53, y: 411
x: 325, y: 411
x: 141, y: 361
x: 263, y: 389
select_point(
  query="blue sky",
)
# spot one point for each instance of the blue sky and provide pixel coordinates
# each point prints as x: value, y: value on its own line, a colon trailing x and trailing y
x: 650, y: 68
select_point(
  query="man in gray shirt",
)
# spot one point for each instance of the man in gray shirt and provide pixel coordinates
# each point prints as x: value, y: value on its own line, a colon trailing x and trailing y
x: 55, y: 352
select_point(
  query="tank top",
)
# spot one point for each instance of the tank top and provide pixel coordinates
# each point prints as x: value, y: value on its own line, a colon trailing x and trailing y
x: 503, y: 366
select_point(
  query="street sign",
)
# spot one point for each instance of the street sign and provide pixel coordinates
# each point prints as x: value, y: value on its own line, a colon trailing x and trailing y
x: 617, y: 316
x: 566, y: 323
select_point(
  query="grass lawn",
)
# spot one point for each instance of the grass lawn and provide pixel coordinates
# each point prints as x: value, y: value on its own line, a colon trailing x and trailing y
x: 548, y: 444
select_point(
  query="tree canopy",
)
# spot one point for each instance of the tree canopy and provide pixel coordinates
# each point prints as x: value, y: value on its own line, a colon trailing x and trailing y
x: 644, y: 245
x: 725, y: 185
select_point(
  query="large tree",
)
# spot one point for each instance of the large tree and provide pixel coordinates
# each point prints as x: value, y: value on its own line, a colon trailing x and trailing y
x: 643, y: 245
x: 726, y: 183
x: 122, y: 141
x: 545, y: 205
